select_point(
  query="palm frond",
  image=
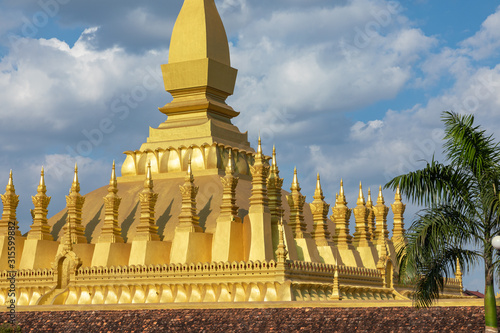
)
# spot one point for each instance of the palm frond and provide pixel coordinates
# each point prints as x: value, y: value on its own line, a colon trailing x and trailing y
x: 467, y: 145
x: 436, y: 183
x: 436, y: 239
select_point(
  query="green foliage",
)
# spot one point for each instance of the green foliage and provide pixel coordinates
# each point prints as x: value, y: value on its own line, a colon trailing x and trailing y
x: 461, y: 202
x: 9, y: 328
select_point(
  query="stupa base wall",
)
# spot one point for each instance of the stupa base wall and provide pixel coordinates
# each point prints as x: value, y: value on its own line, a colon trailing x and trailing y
x: 221, y: 282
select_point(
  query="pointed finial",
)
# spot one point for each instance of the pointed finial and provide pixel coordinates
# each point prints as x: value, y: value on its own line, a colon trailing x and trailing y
x: 459, y: 270
x: 341, y: 193
x: 189, y: 171
x: 189, y: 174
x: 361, y: 198
x: 397, y: 197
x: 229, y: 167
x: 112, y: 181
x: 75, y: 178
x: 369, y: 201
x: 259, y: 146
x: 41, y: 186
x: 148, y: 183
x: 274, y: 164
x: 281, y: 252
x: 10, y: 185
x: 75, y: 186
x: 380, y: 199
x: 295, y: 182
x: 42, y: 177
x: 318, y: 192
x: 148, y: 175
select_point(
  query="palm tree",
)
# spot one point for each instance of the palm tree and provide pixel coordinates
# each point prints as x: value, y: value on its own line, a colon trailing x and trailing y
x: 460, y: 217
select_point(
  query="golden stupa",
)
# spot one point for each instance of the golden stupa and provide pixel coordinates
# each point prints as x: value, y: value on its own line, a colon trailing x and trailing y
x: 198, y: 215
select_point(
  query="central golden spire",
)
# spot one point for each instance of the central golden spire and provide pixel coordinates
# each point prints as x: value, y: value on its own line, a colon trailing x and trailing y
x: 199, y: 77
x: 199, y: 74
x: 198, y: 34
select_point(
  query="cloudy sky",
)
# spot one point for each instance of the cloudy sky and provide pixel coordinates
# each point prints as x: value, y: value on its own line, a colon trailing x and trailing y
x: 352, y: 89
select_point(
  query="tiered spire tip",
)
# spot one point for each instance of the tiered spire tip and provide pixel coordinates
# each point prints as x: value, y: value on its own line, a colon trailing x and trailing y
x: 361, y: 197
x: 380, y: 199
x: 75, y: 186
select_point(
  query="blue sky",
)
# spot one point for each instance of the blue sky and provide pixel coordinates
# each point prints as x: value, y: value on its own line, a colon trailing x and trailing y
x: 350, y: 89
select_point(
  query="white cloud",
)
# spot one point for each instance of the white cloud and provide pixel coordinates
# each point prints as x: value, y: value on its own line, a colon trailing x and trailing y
x: 71, y: 89
x: 487, y: 40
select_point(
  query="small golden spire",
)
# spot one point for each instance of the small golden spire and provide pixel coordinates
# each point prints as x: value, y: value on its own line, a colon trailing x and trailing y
x: 10, y: 185
x: 397, y: 197
x: 281, y: 252
x: 75, y: 187
x: 148, y: 183
x: 113, y: 184
x: 295, y: 182
x: 259, y: 146
x: 274, y: 164
x: 369, y: 201
x: 318, y: 185
x: 459, y: 270
x: 230, y: 167
x: 41, y: 187
x: 42, y: 177
x: 361, y: 198
x: 11, y: 182
x: 189, y: 173
x: 380, y: 199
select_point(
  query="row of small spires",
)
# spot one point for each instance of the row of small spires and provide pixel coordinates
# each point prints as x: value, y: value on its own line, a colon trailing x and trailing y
x: 40, y: 227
